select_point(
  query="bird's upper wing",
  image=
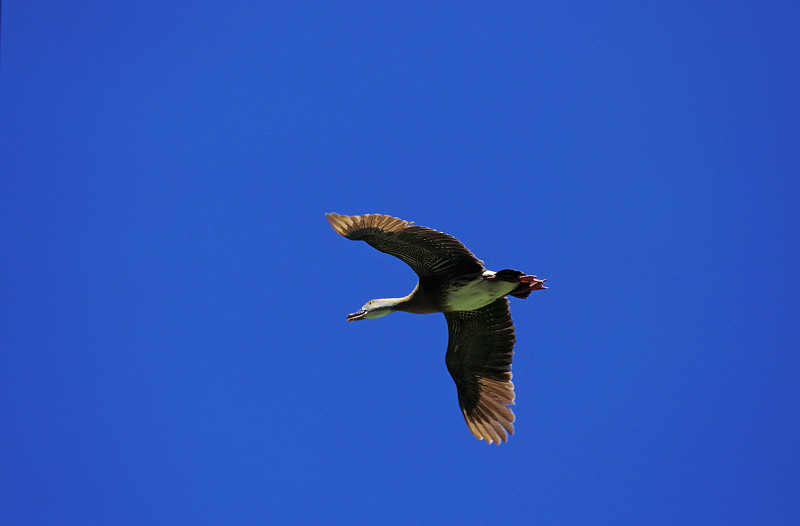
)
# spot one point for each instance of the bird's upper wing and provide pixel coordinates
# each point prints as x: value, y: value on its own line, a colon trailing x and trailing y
x: 479, y: 355
x: 427, y: 251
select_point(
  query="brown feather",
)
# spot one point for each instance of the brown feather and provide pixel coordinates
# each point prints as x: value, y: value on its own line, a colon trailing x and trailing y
x: 479, y: 354
x: 428, y: 252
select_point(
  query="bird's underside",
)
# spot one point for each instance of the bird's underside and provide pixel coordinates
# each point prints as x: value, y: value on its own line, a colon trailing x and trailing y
x: 453, y: 281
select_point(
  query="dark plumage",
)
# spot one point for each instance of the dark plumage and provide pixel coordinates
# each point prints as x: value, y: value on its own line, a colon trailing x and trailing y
x: 453, y: 281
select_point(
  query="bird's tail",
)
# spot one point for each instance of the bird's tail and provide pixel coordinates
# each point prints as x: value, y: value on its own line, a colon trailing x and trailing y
x: 527, y: 284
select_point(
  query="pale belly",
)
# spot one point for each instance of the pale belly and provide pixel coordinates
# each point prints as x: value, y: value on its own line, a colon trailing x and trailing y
x: 478, y: 293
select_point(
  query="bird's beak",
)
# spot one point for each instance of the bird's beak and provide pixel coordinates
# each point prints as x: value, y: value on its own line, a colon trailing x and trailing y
x: 357, y: 315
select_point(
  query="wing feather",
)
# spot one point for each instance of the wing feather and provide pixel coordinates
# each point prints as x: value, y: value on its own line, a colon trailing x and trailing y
x: 479, y: 355
x: 428, y: 252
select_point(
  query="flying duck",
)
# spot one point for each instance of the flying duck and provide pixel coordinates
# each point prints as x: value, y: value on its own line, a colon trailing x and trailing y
x: 454, y: 282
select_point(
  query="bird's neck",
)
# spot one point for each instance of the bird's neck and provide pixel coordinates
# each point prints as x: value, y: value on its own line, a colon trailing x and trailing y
x: 418, y: 302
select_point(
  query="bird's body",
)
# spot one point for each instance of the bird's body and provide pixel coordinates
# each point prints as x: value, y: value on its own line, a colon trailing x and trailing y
x: 473, y: 293
x: 453, y: 281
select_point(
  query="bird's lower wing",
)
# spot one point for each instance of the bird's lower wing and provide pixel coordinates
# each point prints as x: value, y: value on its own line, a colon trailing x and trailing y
x: 479, y: 355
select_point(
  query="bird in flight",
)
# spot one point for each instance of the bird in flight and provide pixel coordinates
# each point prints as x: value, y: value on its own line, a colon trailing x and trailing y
x: 473, y: 300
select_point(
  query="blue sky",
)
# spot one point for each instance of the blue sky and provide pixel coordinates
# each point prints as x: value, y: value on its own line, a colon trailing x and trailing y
x: 174, y: 343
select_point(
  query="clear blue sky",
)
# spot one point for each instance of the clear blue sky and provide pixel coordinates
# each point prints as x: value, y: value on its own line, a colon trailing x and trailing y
x: 174, y: 344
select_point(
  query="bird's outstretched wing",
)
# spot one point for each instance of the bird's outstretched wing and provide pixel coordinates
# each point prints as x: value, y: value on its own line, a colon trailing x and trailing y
x: 427, y: 251
x: 479, y: 354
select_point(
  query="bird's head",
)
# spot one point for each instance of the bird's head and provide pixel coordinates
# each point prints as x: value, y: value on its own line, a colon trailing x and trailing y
x: 373, y: 309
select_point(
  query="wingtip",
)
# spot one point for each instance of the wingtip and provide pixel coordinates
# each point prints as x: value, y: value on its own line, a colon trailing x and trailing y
x: 339, y: 222
x: 346, y: 225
